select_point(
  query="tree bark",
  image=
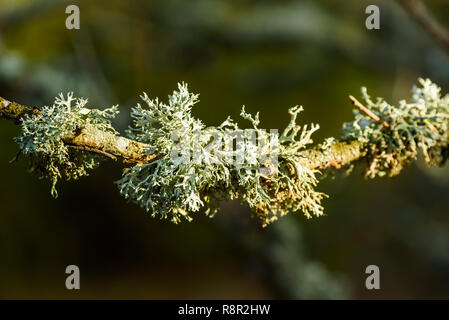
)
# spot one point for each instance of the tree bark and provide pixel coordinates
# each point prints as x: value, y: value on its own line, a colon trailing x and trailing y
x: 88, y: 138
x: 91, y: 139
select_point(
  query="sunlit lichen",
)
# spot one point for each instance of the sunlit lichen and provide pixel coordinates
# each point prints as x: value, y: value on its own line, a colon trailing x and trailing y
x: 419, y: 125
x: 199, y: 166
x: 42, y: 138
x: 182, y: 167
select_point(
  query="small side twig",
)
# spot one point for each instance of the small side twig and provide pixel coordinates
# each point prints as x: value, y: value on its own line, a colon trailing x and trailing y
x: 16, y: 157
x: 85, y: 148
x: 418, y: 11
x: 368, y: 112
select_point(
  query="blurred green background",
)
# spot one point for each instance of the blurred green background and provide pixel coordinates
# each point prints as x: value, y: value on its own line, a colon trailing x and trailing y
x: 268, y: 55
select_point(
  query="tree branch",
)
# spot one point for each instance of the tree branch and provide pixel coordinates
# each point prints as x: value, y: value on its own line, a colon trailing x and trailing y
x: 91, y: 139
x: 337, y: 155
x: 418, y: 11
x: 88, y: 138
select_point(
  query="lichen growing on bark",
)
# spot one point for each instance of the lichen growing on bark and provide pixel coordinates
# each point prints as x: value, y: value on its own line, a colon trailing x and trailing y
x: 42, y: 138
x: 181, y: 166
x: 418, y: 125
x: 199, y: 166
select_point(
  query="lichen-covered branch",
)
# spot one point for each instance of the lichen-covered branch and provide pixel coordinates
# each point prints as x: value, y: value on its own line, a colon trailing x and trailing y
x: 179, y: 166
x: 105, y: 143
x: 88, y: 138
x: 337, y: 154
x: 15, y: 111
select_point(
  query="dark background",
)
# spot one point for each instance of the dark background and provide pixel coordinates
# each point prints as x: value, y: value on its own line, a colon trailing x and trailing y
x: 268, y: 55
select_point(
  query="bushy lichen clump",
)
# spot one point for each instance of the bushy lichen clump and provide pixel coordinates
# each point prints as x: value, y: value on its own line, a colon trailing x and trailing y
x: 42, y: 138
x: 293, y: 189
x: 421, y: 124
x: 199, y: 166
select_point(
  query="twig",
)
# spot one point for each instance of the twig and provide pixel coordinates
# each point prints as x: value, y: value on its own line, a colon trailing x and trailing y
x: 418, y: 11
x: 368, y: 112
x: 85, y: 148
x: 16, y: 157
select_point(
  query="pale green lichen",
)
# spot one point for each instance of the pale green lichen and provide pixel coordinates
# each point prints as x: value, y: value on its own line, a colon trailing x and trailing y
x: 419, y: 125
x: 200, y: 166
x: 42, y: 138
x: 195, y: 166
